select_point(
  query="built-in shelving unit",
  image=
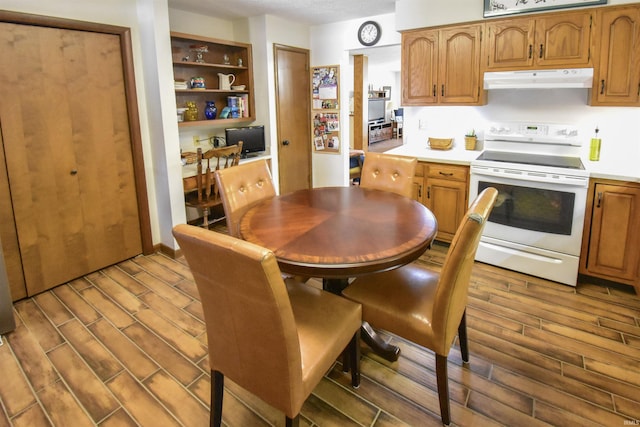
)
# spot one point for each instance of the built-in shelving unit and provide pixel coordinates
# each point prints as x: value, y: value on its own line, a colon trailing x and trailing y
x: 221, y: 57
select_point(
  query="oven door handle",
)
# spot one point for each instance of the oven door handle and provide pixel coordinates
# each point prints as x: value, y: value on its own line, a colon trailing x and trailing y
x: 575, y: 181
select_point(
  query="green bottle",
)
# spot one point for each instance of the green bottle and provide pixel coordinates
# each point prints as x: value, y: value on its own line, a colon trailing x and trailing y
x: 594, y: 152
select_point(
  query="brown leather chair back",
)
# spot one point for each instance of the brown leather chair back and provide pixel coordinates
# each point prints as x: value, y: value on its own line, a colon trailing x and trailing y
x: 451, y: 295
x: 251, y: 331
x: 241, y: 188
x: 389, y: 172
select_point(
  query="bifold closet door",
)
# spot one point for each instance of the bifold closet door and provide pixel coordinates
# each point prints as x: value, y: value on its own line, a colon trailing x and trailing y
x: 68, y: 153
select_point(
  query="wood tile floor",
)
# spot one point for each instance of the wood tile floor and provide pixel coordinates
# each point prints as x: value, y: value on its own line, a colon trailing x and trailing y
x: 126, y: 346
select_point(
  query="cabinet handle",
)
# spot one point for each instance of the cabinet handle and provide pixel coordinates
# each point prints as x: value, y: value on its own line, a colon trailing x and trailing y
x: 434, y: 90
x: 446, y: 173
x: 530, y: 51
x: 638, y: 89
x: 599, y: 199
x: 285, y: 142
x: 428, y: 192
x: 541, y: 50
x: 419, y: 191
x: 602, y: 87
x: 74, y: 172
x: 442, y: 90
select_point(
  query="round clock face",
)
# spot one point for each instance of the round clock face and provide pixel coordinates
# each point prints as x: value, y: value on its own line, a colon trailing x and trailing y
x: 369, y: 33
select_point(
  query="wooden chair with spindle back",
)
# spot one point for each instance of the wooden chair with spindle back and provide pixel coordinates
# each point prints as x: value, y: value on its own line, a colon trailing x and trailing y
x: 201, y: 190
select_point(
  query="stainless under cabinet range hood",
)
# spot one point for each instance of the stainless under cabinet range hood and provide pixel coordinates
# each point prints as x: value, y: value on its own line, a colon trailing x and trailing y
x: 539, y: 79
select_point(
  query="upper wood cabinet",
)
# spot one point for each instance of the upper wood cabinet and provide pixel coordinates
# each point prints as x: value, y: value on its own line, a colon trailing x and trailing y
x: 550, y: 41
x: 442, y: 66
x: 617, y: 76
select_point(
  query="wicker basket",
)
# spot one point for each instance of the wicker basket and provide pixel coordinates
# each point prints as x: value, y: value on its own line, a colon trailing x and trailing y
x: 470, y: 142
x: 440, y: 143
x: 190, y: 157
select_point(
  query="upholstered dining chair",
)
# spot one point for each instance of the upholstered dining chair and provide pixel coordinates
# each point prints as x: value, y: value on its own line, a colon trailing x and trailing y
x: 388, y: 172
x: 426, y: 306
x: 241, y: 188
x: 201, y: 190
x: 274, y: 338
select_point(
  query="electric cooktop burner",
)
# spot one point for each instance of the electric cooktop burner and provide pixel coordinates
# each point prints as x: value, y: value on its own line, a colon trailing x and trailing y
x: 532, y: 159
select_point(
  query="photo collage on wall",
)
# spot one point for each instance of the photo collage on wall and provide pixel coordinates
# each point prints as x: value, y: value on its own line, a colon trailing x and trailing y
x: 325, y: 109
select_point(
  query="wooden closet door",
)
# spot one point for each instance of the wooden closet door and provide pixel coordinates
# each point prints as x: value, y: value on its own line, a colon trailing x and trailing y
x: 68, y: 152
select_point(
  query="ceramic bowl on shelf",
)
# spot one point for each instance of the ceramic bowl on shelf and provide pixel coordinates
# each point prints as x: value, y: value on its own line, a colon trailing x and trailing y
x: 238, y: 87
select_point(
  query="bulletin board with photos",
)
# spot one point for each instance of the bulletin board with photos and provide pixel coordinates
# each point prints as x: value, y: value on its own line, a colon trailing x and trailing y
x: 325, y: 109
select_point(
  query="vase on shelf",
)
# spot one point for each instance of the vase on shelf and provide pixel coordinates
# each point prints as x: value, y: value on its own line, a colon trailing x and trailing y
x: 210, y: 110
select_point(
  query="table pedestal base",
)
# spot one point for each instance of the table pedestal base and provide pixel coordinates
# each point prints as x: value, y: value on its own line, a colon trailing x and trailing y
x: 369, y: 336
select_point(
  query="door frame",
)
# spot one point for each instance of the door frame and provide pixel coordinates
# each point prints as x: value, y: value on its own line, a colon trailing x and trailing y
x: 126, y: 50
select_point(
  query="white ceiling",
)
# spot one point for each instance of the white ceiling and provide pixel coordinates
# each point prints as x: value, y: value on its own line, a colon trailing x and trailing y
x: 312, y: 12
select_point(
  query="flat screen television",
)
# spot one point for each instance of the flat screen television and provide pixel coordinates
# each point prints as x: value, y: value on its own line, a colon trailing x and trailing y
x: 376, y: 110
x: 252, y: 138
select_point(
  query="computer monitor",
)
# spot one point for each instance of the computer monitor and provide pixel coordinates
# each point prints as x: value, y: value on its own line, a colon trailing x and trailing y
x: 252, y: 138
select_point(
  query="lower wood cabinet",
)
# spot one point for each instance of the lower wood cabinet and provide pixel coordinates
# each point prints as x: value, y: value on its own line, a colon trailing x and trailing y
x: 444, y: 189
x: 611, y: 239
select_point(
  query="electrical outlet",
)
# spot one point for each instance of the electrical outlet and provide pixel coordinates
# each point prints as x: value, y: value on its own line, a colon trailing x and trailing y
x: 196, y: 140
x: 422, y: 123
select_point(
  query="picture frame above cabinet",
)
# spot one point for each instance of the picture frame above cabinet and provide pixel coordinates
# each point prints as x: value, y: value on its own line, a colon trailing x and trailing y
x: 208, y: 70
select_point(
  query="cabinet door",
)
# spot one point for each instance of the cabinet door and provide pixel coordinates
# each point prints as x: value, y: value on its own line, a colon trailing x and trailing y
x: 617, y: 78
x: 447, y: 200
x: 419, y: 67
x: 418, y: 184
x: 509, y: 44
x: 614, y: 244
x: 459, y: 65
x: 563, y: 40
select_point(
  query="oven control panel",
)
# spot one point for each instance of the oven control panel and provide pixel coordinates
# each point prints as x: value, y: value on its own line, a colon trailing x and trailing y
x: 533, y: 132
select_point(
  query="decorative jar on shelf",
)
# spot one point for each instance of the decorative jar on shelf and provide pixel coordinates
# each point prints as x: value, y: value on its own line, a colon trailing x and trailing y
x: 191, y: 114
x: 210, y: 110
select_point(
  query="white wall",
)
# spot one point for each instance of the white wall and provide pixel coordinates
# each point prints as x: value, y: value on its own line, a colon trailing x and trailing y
x: 331, y: 45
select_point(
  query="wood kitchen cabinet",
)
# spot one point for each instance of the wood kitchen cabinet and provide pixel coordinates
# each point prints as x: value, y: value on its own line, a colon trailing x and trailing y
x: 617, y: 76
x: 444, y: 189
x: 442, y: 66
x: 611, y: 239
x: 550, y: 41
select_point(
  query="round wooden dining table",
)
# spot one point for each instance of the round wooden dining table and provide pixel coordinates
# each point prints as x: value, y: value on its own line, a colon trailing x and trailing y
x: 337, y: 233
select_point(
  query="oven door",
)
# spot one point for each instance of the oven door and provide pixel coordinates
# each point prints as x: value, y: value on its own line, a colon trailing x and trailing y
x: 532, y: 212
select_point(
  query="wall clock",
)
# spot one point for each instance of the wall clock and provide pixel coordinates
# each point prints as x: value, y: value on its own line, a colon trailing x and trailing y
x: 369, y: 33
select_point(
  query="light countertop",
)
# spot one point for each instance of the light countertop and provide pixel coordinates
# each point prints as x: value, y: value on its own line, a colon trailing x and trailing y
x: 623, y: 169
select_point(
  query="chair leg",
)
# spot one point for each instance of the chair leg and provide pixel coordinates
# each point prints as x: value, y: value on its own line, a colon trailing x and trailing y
x: 354, y: 359
x: 462, y: 337
x: 217, y: 390
x: 205, y: 214
x: 293, y: 422
x: 443, y: 388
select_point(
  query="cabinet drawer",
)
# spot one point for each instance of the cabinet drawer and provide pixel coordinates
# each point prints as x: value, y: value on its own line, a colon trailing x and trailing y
x: 420, y: 169
x: 455, y: 173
